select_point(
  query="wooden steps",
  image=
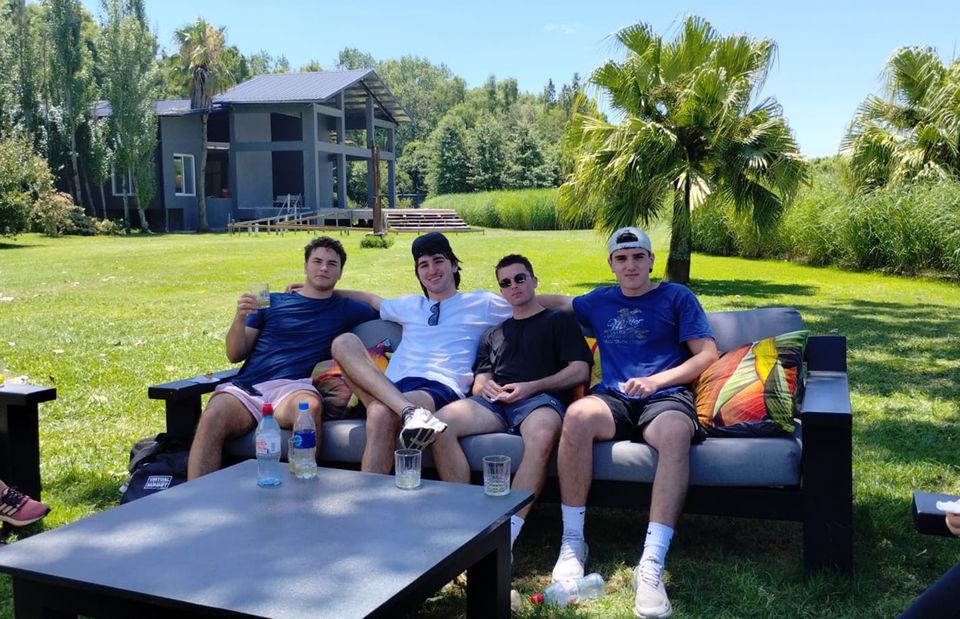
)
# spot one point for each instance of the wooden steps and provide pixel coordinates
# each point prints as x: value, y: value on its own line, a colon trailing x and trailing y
x: 426, y: 220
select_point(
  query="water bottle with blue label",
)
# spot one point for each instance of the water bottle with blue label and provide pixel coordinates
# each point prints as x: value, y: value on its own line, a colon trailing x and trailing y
x: 268, y: 449
x: 304, y: 456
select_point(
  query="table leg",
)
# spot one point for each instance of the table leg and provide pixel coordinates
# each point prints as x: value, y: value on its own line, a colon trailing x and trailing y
x: 28, y: 602
x: 488, y: 581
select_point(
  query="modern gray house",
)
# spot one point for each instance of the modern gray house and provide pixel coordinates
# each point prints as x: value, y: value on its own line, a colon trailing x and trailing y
x: 275, y: 142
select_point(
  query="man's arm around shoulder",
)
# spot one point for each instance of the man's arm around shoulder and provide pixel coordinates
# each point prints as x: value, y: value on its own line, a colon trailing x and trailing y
x: 560, y: 302
x: 369, y: 298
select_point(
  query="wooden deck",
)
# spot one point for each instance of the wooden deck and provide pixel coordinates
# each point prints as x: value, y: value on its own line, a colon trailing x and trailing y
x: 345, y: 220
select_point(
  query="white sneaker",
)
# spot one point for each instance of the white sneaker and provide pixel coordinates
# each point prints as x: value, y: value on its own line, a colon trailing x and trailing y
x: 651, y: 601
x: 420, y: 428
x: 573, y: 556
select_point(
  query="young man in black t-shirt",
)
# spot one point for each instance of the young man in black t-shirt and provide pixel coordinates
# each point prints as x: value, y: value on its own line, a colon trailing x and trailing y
x: 523, y: 375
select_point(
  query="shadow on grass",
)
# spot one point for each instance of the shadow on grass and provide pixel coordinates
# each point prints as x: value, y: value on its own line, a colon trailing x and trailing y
x: 749, y: 288
x: 14, y: 246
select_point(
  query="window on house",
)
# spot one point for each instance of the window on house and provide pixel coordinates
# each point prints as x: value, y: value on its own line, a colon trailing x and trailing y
x: 120, y: 185
x: 184, y: 179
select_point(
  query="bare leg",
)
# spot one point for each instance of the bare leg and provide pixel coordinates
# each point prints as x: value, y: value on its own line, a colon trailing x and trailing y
x: 463, y: 418
x: 587, y: 420
x: 670, y: 435
x: 540, y: 432
x: 288, y: 408
x: 382, y: 427
x: 224, y: 417
x: 364, y: 377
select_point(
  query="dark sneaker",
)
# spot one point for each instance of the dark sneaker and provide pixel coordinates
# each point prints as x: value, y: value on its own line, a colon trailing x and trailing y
x: 20, y: 510
x: 420, y: 428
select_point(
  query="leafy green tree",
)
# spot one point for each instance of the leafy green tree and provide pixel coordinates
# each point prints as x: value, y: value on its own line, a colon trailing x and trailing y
x: 99, y: 158
x: 911, y: 132
x: 351, y: 58
x: 24, y: 180
x: 425, y: 90
x: 415, y: 164
x: 449, y: 170
x: 201, y: 47
x: 488, y: 155
x: 689, y: 130
x: 131, y: 79
x: 71, y: 80
x: 527, y: 168
x: 22, y: 60
x: 549, y: 94
x: 311, y: 67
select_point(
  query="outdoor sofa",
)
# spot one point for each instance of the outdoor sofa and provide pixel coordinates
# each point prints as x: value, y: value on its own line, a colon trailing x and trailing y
x: 805, y: 477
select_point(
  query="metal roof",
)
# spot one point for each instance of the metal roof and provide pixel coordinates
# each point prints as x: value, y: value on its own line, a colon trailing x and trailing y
x: 166, y: 107
x: 318, y: 87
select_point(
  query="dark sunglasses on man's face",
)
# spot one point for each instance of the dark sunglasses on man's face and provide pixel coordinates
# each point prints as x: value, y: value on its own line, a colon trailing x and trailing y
x: 519, y: 278
x: 434, y: 315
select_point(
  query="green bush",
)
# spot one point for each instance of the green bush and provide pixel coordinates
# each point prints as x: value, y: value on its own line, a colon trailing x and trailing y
x: 376, y: 240
x: 55, y: 214
x: 110, y: 227
x: 520, y: 209
x: 710, y: 230
x: 24, y: 179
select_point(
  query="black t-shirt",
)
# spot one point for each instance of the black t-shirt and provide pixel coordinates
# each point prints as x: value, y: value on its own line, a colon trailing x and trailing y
x: 532, y: 348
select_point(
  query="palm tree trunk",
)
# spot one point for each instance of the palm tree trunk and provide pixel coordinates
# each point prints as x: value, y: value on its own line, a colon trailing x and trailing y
x: 202, y: 181
x: 678, y: 261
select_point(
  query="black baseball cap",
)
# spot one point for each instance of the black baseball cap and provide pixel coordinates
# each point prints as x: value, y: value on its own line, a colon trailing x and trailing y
x: 430, y: 244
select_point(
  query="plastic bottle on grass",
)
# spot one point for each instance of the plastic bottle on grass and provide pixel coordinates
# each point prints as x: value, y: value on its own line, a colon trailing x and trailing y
x: 304, y: 456
x: 268, y: 449
x: 565, y: 592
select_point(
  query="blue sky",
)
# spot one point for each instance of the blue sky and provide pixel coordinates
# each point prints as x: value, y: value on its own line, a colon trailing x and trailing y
x: 831, y: 53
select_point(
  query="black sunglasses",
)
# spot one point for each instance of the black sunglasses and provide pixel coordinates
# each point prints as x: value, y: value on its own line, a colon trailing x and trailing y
x: 519, y: 278
x: 434, y: 315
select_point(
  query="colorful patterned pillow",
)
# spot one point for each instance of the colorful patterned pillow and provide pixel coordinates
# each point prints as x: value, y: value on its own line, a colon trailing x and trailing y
x: 336, y: 395
x: 750, y: 390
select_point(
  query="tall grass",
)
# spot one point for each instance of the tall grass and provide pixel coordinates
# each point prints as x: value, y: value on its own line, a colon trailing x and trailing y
x: 522, y: 209
x: 909, y: 229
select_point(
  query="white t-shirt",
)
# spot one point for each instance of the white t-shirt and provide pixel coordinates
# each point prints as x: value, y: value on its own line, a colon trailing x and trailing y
x: 444, y: 352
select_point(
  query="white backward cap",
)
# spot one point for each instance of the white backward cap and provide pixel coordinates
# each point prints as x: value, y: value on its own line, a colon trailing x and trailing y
x: 629, y: 238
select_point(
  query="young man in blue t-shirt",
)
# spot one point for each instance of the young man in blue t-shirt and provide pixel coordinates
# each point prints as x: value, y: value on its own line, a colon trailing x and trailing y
x: 654, y: 340
x: 279, y: 346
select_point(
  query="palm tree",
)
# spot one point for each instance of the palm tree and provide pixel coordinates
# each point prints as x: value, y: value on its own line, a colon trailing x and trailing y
x: 688, y: 131
x: 201, y: 46
x: 913, y: 131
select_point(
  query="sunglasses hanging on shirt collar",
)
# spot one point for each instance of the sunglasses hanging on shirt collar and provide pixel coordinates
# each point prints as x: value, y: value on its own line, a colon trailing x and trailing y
x: 434, y: 315
x: 519, y: 278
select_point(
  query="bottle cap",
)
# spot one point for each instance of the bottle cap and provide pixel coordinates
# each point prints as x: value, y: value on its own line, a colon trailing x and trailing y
x: 268, y: 408
x: 303, y: 406
x: 536, y: 598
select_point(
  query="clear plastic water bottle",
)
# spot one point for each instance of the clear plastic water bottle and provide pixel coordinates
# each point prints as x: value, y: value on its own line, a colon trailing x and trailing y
x: 564, y: 592
x: 304, y: 456
x: 268, y: 449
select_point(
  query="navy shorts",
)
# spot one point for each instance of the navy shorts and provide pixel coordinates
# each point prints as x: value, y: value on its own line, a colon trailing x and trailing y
x: 631, y: 416
x: 514, y: 414
x: 441, y: 394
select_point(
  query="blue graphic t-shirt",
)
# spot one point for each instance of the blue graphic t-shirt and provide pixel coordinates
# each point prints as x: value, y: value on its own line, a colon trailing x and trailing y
x: 641, y: 336
x: 295, y: 334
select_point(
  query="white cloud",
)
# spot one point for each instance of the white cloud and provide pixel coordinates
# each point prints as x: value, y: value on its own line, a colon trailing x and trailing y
x: 561, y: 28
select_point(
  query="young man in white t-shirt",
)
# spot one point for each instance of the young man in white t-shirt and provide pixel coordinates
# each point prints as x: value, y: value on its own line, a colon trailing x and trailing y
x: 432, y: 366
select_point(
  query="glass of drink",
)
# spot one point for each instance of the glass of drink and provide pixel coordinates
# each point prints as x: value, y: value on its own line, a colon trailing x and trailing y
x: 407, y: 468
x: 496, y: 475
x: 262, y: 292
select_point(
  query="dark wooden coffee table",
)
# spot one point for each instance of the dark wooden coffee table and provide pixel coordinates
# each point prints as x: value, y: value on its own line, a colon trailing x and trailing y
x: 347, y: 544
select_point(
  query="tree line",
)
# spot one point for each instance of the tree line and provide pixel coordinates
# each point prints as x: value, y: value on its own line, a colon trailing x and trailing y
x: 58, y: 62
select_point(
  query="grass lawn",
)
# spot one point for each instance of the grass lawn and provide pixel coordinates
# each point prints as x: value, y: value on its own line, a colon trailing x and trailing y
x: 101, y: 319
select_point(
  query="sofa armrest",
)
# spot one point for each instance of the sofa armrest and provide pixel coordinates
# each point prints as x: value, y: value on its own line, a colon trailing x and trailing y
x: 182, y: 399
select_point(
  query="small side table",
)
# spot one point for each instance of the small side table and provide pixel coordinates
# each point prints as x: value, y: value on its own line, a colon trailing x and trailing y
x: 927, y: 518
x: 20, y: 435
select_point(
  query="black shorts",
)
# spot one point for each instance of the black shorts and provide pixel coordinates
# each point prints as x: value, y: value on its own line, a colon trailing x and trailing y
x: 631, y: 416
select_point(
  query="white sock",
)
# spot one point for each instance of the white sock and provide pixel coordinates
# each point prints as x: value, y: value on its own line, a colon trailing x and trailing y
x: 573, y: 518
x: 516, y: 523
x: 657, y: 542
